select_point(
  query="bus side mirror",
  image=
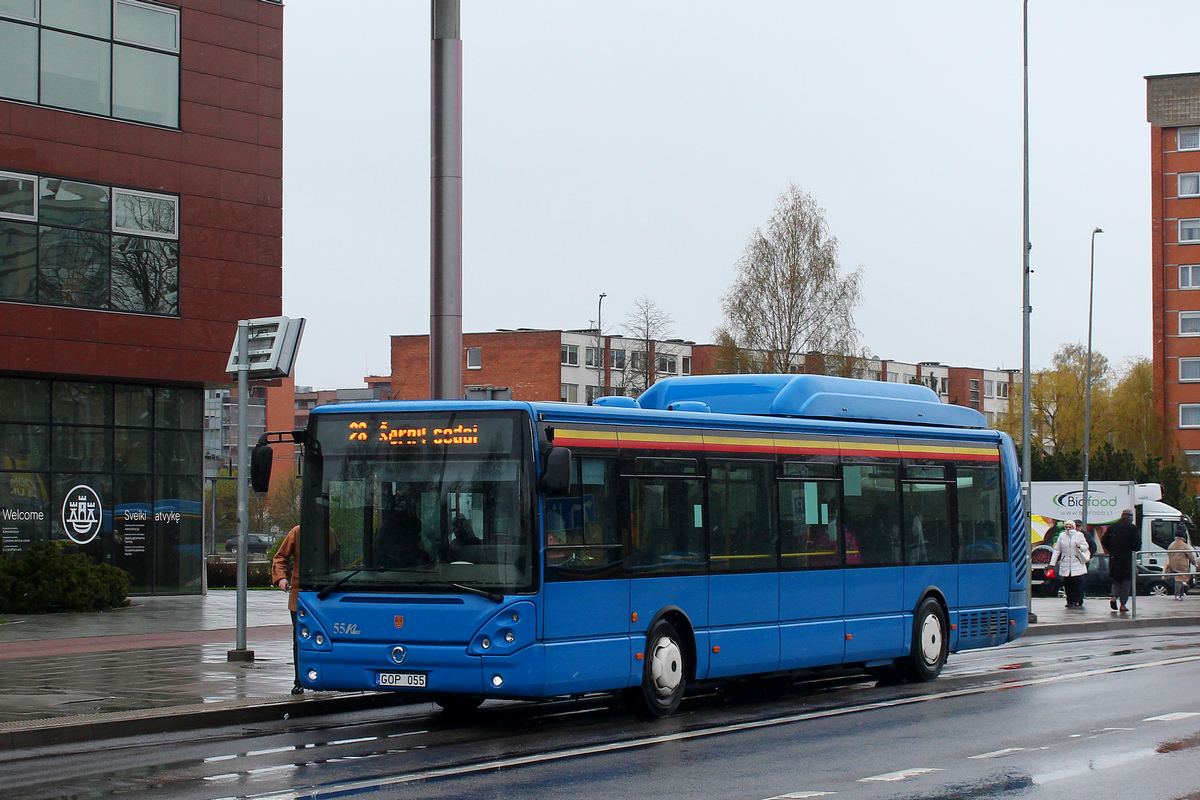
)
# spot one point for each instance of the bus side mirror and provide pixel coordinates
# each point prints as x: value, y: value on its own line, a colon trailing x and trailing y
x: 556, y: 474
x: 260, y: 467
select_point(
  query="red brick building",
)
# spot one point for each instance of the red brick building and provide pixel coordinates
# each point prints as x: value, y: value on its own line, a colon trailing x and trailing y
x: 141, y: 181
x: 1173, y: 111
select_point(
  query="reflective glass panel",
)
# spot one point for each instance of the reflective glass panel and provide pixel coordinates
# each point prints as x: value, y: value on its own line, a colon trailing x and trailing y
x: 93, y: 17
x: 741, y: 533
x: 16, y: 191
x: 178, y: 408
x: 178, y: 535
x: 27, y: 495
x: 132, y: 450
x: 79, y: 403
x: 74, y: 204
x: 143, y: 24
x: 74, y: 268
x: 980, y: 515
x: 145, y: 86
x: 24, y: 446
x: 928, y: 531
x: 178, y: 452
x: 145, y: 275
x: 141, y: 212
x: 808, y: 525
x: 133, y: 528
x: 18, y: 61
x: 18, y: 261
x: 24, y: 400
x: 872, y: 519
x: 81, y: 449
x: 132, y: 404
x: 75, y: 72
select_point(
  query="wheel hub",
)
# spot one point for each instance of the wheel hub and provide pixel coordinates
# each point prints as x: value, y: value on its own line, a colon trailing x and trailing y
x: 666, y: 666
x: 931, y: 639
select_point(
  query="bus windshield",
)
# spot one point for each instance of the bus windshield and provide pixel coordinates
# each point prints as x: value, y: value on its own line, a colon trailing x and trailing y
x: 419, y: 502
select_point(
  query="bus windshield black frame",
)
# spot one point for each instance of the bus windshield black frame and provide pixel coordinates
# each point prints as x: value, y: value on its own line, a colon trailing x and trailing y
x: 419, y: 502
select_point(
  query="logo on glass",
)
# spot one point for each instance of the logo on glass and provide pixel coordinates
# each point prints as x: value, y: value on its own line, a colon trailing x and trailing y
x: 81, y: 514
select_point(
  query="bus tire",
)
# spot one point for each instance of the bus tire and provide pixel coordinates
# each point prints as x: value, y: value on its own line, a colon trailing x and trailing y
x: 930, y: 642
x: 664, y: 671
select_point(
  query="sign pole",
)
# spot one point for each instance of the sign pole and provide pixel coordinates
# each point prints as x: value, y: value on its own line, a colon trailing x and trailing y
x: 243, y: 472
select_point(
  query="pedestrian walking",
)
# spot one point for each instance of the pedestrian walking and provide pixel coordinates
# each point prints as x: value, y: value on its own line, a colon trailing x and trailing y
x: 1121, y: 541
x: 285, y: 573
x: 1071, y: 556
x: 1181, y: 560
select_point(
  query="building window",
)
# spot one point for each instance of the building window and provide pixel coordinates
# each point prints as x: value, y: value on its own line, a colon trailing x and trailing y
x: 1193, y: 460
x: 1188, y: 139
x: 617, y: 359
x: 667, y: 365
x: 1189, y: 323
x: 637, y: 360
x: 945, y: 387
x: 1189, y: 369
x: 1189, y: 231
x: 989, y: 388
x: 1189, y: 415
x: 591, y: 393
x: 687, y: 365
x: 1001, y: 389
x: 1189, y: 276
x: 88, y: 245
x: 474, y: 358
x: 1189, y: 184
x: 113, y: 58
x: 593, y: 357
x: 568, y: 393
x: 570, y: 355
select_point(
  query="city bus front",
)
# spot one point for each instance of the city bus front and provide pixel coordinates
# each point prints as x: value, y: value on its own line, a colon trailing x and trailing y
x: 418, y: 560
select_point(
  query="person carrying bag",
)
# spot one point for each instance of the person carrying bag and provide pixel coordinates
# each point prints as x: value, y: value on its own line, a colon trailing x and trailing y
x: 1071, y: 555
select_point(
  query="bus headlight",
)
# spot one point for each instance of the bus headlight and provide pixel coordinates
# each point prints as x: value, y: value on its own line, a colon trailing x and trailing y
x: 312, y: 675
x: 497, y: 681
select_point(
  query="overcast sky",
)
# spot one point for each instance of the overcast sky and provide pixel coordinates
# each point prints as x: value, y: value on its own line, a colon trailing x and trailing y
x: 632, y: 147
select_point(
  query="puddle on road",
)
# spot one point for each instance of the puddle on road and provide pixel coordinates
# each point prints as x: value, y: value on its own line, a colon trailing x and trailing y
x: 1002, y: 785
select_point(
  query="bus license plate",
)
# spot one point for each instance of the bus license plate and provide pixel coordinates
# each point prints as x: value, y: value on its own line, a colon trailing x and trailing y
x: 406, y: 680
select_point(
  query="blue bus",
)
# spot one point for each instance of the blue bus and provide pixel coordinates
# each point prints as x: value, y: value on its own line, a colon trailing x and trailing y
x: 716, y: 527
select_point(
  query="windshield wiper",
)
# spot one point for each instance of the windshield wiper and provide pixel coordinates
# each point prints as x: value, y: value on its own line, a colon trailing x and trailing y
x: 495, y: 597
x: 321, y: 595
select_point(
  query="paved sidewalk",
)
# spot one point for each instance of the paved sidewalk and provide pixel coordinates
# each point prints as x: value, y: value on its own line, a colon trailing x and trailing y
x: 161, y: 664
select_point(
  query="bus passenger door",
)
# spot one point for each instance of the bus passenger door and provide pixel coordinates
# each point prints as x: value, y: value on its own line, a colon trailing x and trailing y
x: 812, y: 580
x: 585, y: 606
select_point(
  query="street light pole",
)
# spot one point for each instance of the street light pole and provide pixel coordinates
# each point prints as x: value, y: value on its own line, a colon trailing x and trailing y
x: 599, y: 348
x: 1087, y: 394
x: 1026, y: 437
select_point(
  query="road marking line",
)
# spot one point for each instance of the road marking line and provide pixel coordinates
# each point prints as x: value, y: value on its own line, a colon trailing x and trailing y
x: 900, y: 775
x: 799, y: 795
x: 998, y: 753
x: 376, y: 784
x: 1178, y: 715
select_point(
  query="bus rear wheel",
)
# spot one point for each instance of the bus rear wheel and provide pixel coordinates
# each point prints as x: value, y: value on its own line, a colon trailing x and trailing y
x: 664, y: 671
x: 930, y: 642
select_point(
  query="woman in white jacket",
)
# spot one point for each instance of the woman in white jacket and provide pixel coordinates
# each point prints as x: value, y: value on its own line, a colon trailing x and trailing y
x: 1071, y: 556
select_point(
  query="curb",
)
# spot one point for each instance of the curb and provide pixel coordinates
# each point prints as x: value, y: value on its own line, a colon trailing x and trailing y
x: 92, y: 727
x: 1039, y: 629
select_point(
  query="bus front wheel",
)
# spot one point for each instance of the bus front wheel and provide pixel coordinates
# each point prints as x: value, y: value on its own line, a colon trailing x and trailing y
x: 930, y: 642
x: 664, y: 671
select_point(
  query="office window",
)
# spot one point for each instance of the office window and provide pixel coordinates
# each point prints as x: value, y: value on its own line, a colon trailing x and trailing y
x: 687, y: 365
x: 593, y: 357
x: 945, y: 383
x: 1189, y: 231
x: 1001, y: 389
x: 1189, y: 184
x: 591, y: 393
x: 637, y: 359
x: 1193, y: 460
x: 1189, y: 415
x: 88, y: 245
x: 570, y: 354
x: 1189, y: 276
x: 474, y: 358
x: 18, y: 196
x: 667, y: 364
x: 1189, y: 323
x: 568, y: 393
x: 617, y: 359
x: 989, y: 388
x: 117, y: 58
x: 1188, y: 139
x: 1189, y: 369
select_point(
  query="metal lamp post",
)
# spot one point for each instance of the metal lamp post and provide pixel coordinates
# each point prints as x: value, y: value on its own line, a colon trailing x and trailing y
x: 599, y: 348
x: 1087, y: 392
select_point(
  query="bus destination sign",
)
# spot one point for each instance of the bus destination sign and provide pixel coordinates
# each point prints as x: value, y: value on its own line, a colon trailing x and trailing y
x: 385, y: 433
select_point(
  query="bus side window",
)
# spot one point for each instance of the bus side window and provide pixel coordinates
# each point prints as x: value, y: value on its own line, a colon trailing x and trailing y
x: 582, y: 535
x: 872, y: 521
x: 980, y: 516
x: 741, y: 534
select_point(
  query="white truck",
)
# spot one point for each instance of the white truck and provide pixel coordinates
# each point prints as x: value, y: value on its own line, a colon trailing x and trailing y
x: 1053, y: 502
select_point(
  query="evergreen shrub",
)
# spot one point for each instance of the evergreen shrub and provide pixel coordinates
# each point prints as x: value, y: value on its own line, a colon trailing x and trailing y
x: 47, y: 579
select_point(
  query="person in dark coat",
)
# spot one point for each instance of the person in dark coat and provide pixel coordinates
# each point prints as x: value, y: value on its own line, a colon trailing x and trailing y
x: 1121, y: 541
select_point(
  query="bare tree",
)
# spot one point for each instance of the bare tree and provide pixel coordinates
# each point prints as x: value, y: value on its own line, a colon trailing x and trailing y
x: 789, y: 297
x: 647, y: 326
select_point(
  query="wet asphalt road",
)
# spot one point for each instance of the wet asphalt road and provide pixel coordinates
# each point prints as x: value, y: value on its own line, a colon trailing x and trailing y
x: 1084, y: 716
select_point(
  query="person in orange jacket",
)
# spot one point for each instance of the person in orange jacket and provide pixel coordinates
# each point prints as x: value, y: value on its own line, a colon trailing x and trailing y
x: 285, y: 573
